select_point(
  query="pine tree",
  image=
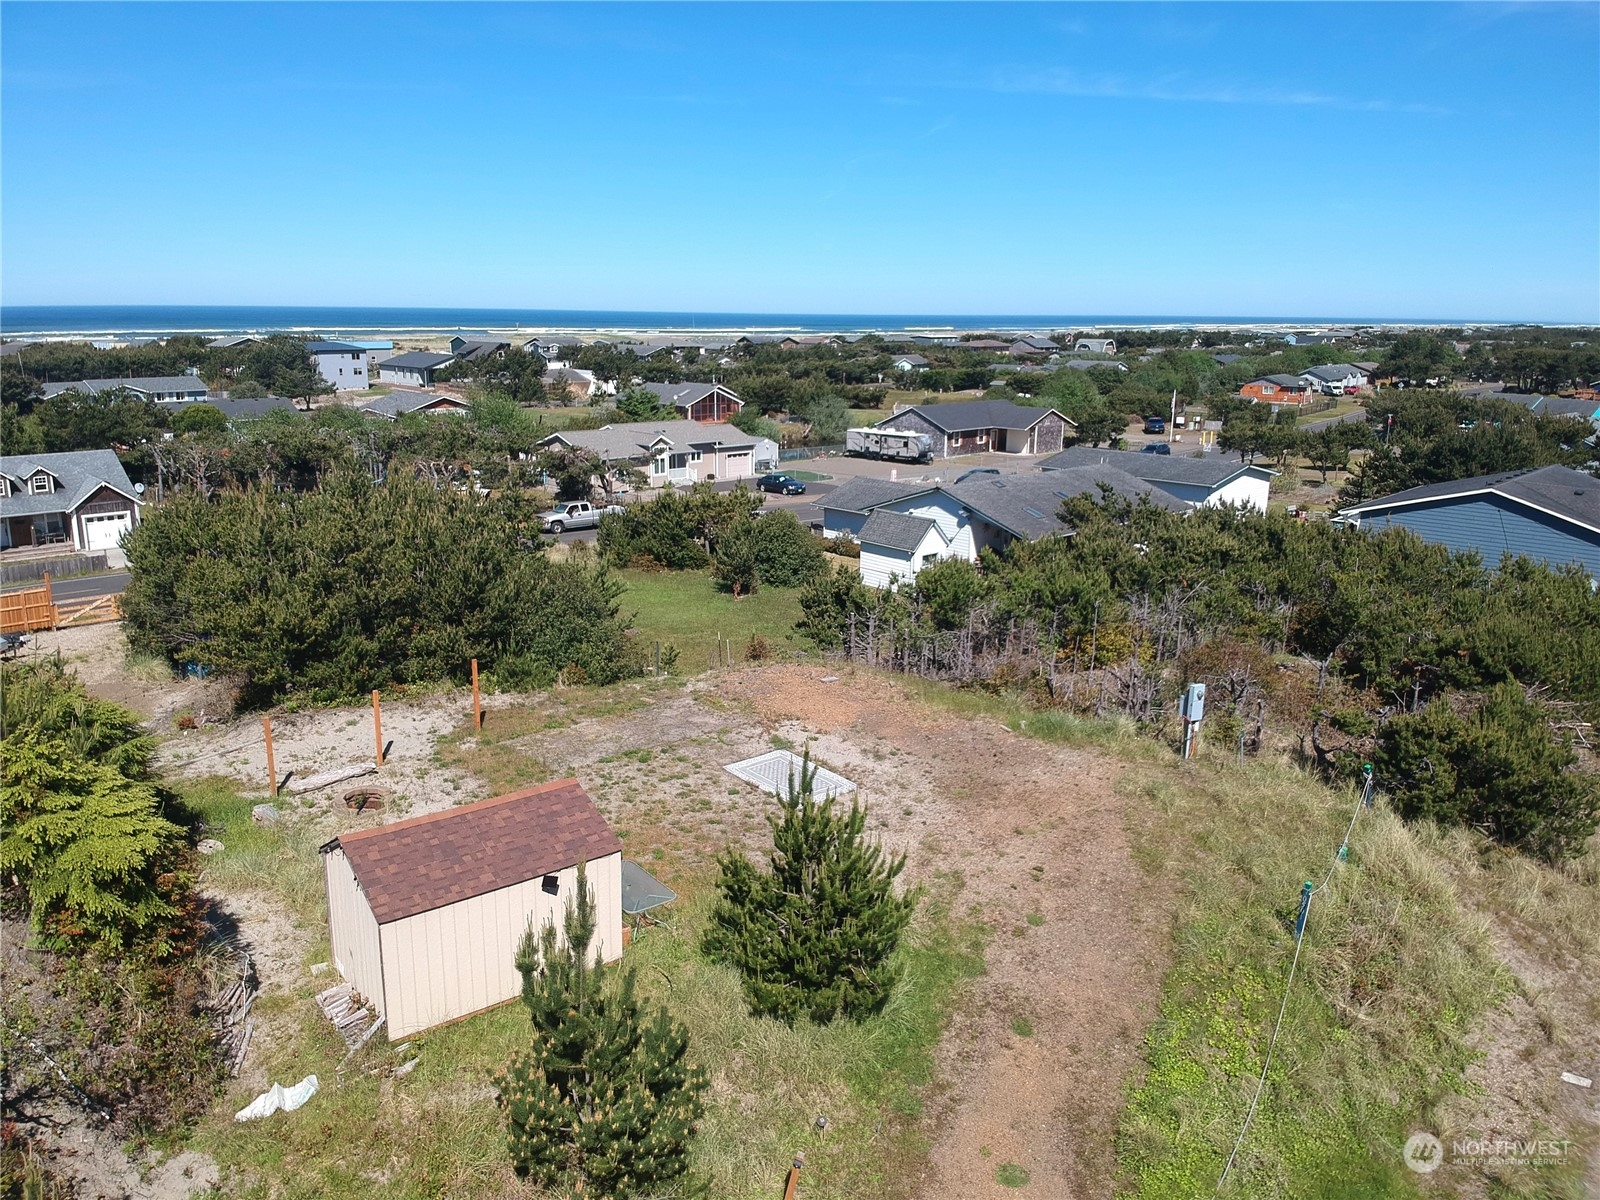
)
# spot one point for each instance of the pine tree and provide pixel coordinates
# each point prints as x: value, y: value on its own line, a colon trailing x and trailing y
x: 812, y: 935
x: 604, y: 1102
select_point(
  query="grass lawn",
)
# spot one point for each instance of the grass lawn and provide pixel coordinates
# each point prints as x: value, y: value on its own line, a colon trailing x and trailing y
x: 437, y: 1132
x: 686, y: 609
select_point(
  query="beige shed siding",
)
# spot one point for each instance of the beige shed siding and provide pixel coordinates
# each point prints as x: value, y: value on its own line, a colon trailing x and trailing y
x: 352, y: 929
x: 455, y: 960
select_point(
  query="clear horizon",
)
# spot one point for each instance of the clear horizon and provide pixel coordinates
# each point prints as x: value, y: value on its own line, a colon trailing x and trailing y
x: 1427, y: 161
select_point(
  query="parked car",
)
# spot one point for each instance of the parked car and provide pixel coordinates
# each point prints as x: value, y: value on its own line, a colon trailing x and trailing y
x: 1155, y: 424
x: 784, y: 485
x: 1157, y: 448
x: 575, y: 514
x: 11, y: 644
x: 977, y: 471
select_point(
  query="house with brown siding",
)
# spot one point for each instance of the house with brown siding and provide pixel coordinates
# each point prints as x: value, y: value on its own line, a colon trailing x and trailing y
x: 81, y: 499
x: 978, y: 426
x: 698, y: 401
x: 425, y: 914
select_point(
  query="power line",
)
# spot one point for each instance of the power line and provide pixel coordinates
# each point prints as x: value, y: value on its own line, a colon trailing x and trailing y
x: 1341, y: 855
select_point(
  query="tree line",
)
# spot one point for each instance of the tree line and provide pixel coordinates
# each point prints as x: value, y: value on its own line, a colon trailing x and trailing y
x: 1359, y: 647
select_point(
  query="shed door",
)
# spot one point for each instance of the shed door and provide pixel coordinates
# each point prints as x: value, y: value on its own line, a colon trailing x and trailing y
x: 103, y: 531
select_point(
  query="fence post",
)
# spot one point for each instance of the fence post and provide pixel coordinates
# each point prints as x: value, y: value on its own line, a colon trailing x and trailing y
x: 272, y: 762
x: 657, y: 674
x: 793, y: 1181
x: 49, y: 601
x: 477, y: 701
x: 377, y: 724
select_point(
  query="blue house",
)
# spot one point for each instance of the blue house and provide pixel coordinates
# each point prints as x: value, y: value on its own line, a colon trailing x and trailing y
x: 1549, y: 513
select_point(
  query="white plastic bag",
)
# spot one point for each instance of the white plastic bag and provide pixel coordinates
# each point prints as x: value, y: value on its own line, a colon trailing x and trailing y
x: 278, y: 1097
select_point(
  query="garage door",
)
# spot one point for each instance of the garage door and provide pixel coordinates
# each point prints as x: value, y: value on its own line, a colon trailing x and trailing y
x: 104, y: 530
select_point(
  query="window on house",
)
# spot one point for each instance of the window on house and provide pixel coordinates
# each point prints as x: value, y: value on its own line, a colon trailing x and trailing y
x: 40, y: 484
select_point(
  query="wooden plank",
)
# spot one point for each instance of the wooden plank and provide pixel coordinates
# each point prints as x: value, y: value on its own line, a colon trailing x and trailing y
x: 89, y: 612
x: 26, y: 610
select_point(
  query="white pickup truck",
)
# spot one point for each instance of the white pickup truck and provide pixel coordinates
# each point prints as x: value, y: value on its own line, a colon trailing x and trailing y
x: 575, y: 514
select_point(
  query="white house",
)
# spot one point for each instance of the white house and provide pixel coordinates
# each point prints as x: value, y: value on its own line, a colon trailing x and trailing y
x: 161, y: 388
x: 425, y: 914
x: 1338, y: 379
x: 1095, y: 346
x: 343, y: 364
x: 1196, y: 481
x: 960, y: 520
x: 910, y: 362
x: 895, y: 546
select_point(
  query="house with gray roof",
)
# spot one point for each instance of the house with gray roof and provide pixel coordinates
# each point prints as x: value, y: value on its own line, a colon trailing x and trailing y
x: 846, y: 509
x: 1336, y: 379
x: 231, y: 342
x: 910, y: 362
x: 977, y: 426
x: 706, y: 402
x: 242, y: 408
x: 672, y: 453
x: 342, y: 364
x: 413, y: 369
x: 473, y: 349
x: 1032, y: 347
x: 907, y: 526
x: 1548, y: 513
x: 1091, y: 364
x: 1095, y: 346
x: 161, y: 388
x: 1208, y: 480
x: 81, y: 499
x: 403, y: 402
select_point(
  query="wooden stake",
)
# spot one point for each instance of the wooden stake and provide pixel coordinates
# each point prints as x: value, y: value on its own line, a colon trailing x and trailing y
x: 477, y: 702
x: 272, y: 763
x: 377, y: 724
x: 49, y: 601
x: 793, y: 1181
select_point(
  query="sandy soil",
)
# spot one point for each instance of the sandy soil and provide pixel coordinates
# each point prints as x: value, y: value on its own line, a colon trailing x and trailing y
x: 1032, y: 829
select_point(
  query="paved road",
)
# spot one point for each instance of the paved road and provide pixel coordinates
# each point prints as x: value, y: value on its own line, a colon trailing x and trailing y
x: 82, y: 589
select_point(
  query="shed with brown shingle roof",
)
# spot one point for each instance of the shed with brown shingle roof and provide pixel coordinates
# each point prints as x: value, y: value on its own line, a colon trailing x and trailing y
x: 425, y: 914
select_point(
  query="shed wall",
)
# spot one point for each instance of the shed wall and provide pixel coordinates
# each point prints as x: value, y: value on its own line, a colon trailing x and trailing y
x: 448, y: 962
x: 353, y: 930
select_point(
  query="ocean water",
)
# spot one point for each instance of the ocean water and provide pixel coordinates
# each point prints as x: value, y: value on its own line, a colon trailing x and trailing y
x: 351, y: 321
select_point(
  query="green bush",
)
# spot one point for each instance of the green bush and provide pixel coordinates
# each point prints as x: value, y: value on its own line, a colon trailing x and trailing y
x: 333, y: 593
x: 1498, y: 769
x: 45, y: 699
x: 774, y: 550
x: 99, y: 863
x: 659, y: 532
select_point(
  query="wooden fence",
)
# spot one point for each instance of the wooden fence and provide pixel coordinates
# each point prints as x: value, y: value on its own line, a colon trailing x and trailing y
x: 30, y: 609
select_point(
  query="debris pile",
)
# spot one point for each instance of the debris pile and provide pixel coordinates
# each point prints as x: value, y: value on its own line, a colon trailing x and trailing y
x: 348, y: 1012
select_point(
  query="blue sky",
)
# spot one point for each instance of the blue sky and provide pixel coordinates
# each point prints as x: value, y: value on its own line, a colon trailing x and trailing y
x: 1386, y: 160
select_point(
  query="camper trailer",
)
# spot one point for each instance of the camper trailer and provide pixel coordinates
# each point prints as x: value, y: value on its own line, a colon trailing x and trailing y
x: 897, y: 444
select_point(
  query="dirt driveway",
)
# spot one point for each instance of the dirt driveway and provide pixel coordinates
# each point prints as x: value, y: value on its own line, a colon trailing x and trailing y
x: 1077, y: 946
